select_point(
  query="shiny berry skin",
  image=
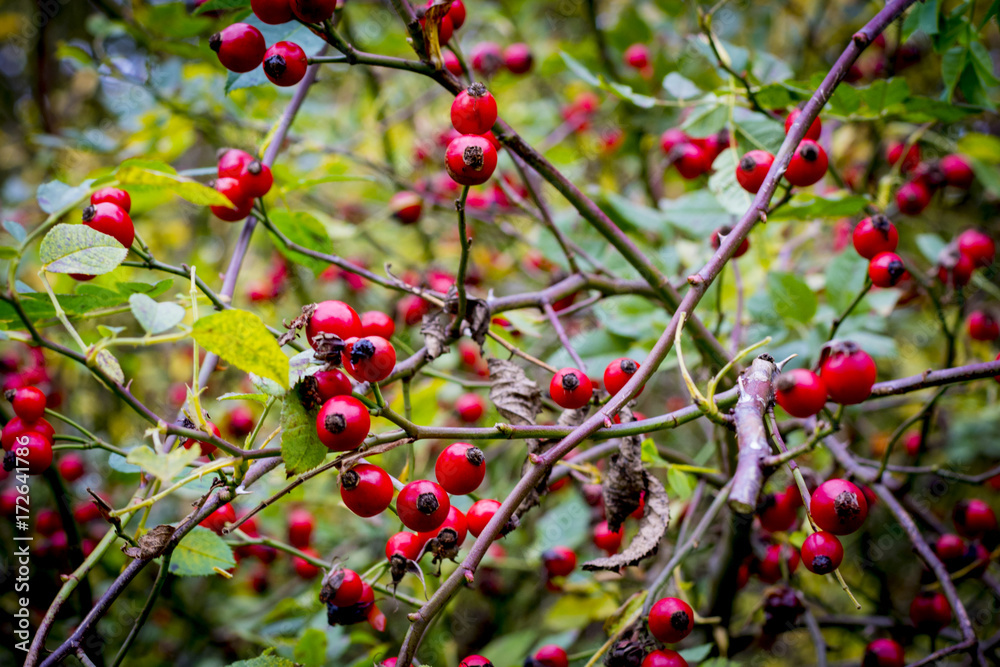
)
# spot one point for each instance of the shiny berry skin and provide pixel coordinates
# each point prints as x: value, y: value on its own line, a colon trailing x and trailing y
x: 272, y: 12
x: 549, y: 655
x: 930, y: 612
x: 71, y: 467
x: 973, y: 518
x: 114, y: 196
x: 34, y: 449
x: 808, y: 164
x: 206, y: 447
x: 559, y: 561
x: 342, y: 423
x: 232, y: 161
x: 875, y: 235
x: 752, y: 169
x: 957, y: 171
x: 456, y: 13
x: 110, y: 219
x: 313, y: 11
x: 691, y: 161
x: 242, y: 204
x: 377, y: 323
x: 950, y: 548
x: 517, y: 58
x: 886, y: 269
x: 838, y: 507
x: 406, y: 206
x: 664, y: 657
x: 636, y: 56
x: 470, y: 159
x: 285, y: 64
x: 956, y: 271
x: 814, y: 131
x: 822, y: 553
x: 571, y: 389
x: 672, y: 138
x: 486, y: 58
x: 778, y: 512
x: 769, y: 568
x: 366, y: 489
x: 849, y: 374
x: 981, y: 326
x: 423, y: 505
x: 218, y: 519
x: 977, y: 246
x: 912, y: 198
x: 475, y: 661
x: 456, y: 521
x: 303, y: 568
x: 17, y: 427
x: 607, y: 540
x: 480, y: 514
x: 332, y: 383
x: 453, y: 65
x: 800, y: 392
x: 723, y: 232
x: 883, y: 653
x: 255, y: 179
x: 300, y: 528
x: 350, y: 589
x: 474, y: 110
x: 470, y: 407
x: 240, y: 47
x: 895, y: 151
x: 368, y: 359
x: 671, y: 620
x: 618, y: 373
x: 333, y: 317
x: 404, y: 544
x: 28, y: 403
x: 240, y: 421
x: 460, y: 468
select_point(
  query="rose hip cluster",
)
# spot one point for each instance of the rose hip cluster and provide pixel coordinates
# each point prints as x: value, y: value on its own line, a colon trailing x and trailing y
x: 27, y: 438
x: 846, y: 376
x: 241, y: 178
x: 471, y: 157
x: 926, y: 178
x: 807, y: 166
x: 693, y: 157
x: 108, y: 213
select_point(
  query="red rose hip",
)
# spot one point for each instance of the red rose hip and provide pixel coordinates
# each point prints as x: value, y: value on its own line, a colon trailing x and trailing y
x: 838, y: 507
x: 671, y: 620
x: 460, y: 468
x: 342, y: 423
x: 423, y: 505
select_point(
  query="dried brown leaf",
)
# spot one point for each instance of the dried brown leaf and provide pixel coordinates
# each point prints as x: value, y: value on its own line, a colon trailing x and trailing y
x: 652, y: 528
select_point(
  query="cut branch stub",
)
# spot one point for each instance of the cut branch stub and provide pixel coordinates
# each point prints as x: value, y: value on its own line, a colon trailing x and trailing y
x: 756, y: 395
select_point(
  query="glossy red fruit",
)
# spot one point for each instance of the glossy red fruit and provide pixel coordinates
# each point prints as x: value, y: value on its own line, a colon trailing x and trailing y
x: 517, y: 58
x: 240, y: 421
x: 721, y: 233
x: 452, y: 63
x: 895, y: 151
x: 752, y: 169
x: 664, y: 657
x: 930, y: 612
x: 332, y: 383
x: 460, y: 468
x: 17, y: 427
x: 777, y: 512
x: 342, y: 423
x: 606, y: 539
x: 550, y: 655
x: 691, y: 161
x: 470, y: 159
x: 769, y: 568
x: 571, y: 388
x: 977, y: 246
x: 48, y: 523
x: 368, y: 359
x: 422, y: 505
x: 406, y: 545
x: 333, y: 317
x: 240, y: 47
x: 981, y: 325
x: 950, y: 548
x: 218, y: 519
x: 406, y: 206
x: 487, y: 58
x: 636, y: 56
x: 470, y: 407
x: 838, y: 507
x: 300, y: 528
x: 256, y: 179
x: 475, y: 661
x: 671, y: 620
x: 559, y: 561
x: 110, y: 219
x: 480, y: 514
x: 242, y: 204
x: 849, y: 373
x: 808, y: 164
x: 114, y: 196
x: 366, y: 489
x: 272, y: 12
x: 33, y: 451
x: 957, y: 171
x: 207, y: 448
x: 377, y: 323
x: 886, y: 269
x: 303, y: 568
x: 800, y: 392
x: 313, y: 11
x: 973, y: 518
x: 955, y: 269
x: 285, y: 64
x: 671, y: 139
x: 71, y: 467
x: 28, y: 403
x: 814, y: 131
x: 474, y: 110
x: 822, y: 553
x: 618, y: 372
x: 883, y: 653
x: 456, y: 521
x: 232, y: 161
x: 875, y: 235
x: 349, y: 591
x: 912, y: 198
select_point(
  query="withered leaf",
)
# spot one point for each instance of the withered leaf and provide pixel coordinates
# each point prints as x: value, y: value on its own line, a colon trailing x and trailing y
x: 517, y: 398
x: 623, y: 485
x: 652, y: 528
x: 152, y: 544
x: 299, y: 322
x: 434, y: 329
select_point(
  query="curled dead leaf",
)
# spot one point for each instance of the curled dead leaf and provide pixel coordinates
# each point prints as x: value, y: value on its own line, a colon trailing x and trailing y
x: 652, y: 527
x: 151, y: 544
x: 517, y: 398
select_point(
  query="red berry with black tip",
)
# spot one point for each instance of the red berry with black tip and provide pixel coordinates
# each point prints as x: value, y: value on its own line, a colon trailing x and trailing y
x: 240, y: 47
x: 618, y: 373
x: 404, y: 544
x: 886, y: 269
x: 17, y: 427
x: 912, y: 198
x: 950, y: 548
x: 300, y: 528
x: 808, y: 164
x: 110, y: 219
x: 232, y: 161
x: 671, y: 620
x: 272, y: 12
x: 480, y: 514
x: 930, y: 612
x: 111, y: 195
x: 777, y: 512
x: 333, y: 317
x: 487, y: 58
x: 977, y: 246
x: 955, y: 269
x: 814, y: 131
x: 368, y: 359
x: 883, y: 653
x: 607, y: 540
x: 233, y: 190
x: 849, y: 373
x: 406, y: 206
x: 875, y: 235
x: 475, y: 661
x: 474, y: 110
x: 423, y: 505
x: 470, y: 159
x: 957, y: 171
x: 838, y: 507
x: 256, y: 179
x: 822, y: 553
x: 981, y: 325
x: 313, y: 11
x: 366, y: 489
x: 664, y: 657
x: 636, y: 56
x: 460, y: 468
x: 342, y: 423
x: 800, y: 392
x: 455, y: 522
x: 332, y: 383
x: 285, y: 64
x: 559, y: 561
x: 571, y: 389
x: 721, y: 233
x: 752, y: 170
x: 517, y: 58
x: 671, y: 139
x: 973, y: 518
x: 28, y: 403
x: 35, y: 450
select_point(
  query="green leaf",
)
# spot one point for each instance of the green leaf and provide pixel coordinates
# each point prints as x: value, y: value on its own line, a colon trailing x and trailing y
x: 759, y: 132
x: 791, y: 297
x: 310, y: 650
x: 242, y: 339
x: 696, y: 654
x: 984, y: 147
x: 808, y: 206
x: 632, y: 215
x: 199, y: 553
x: 845, y: 277
x: 263, y: 660
x: 6, y: 252
x: 706, y: 120
x: 579, y: 69
x: 680, y: 482
x: 80, y: 249
x: 930, y: 246
x: 300, y: 446
x: 952, y: 64
x: 221, y: 5
x: 626, y: 93
x: 623, y: 616
x: 140, y: 177
x: 696, y: 213
x: 16, y: 230
x: 233, y: 396
x: 163, y: 466
x: 305, y: 230
x: 724, y: 185
x: 155, y: 317
x: 107, y: 363
x: 680, y: 87
x: 987, y: 174
x: 56, y: 195
x: 923, y: 17
x: 983, y: 64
